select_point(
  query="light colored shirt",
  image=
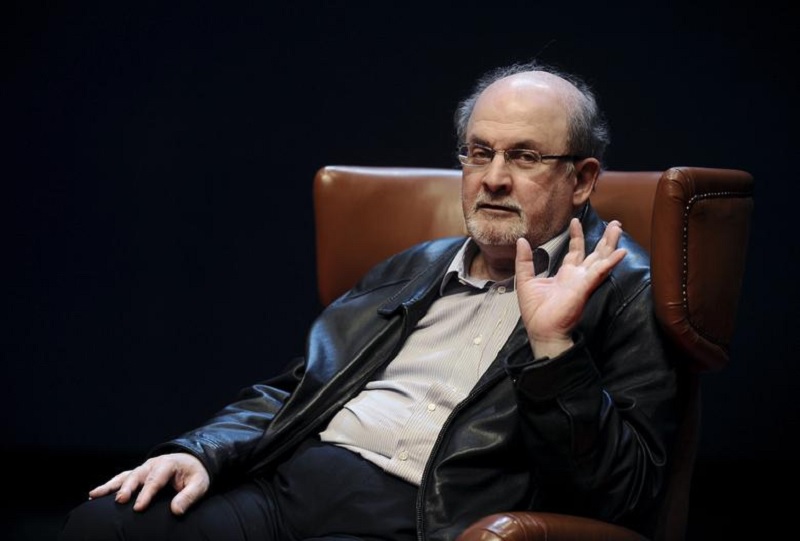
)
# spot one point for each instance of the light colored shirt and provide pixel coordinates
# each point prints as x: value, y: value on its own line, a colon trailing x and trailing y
x: 395, y: 420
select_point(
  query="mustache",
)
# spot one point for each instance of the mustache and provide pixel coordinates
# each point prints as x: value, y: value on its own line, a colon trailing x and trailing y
x: 485, y: 200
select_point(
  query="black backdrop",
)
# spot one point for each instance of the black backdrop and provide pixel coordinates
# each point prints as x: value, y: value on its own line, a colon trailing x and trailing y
x: 160, y: 250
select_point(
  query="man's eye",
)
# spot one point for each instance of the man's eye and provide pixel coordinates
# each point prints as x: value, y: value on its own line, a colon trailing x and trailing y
x: 524, y: 156
x: 480, y: 153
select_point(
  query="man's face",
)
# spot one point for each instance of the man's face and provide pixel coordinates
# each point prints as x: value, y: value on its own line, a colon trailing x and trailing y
x: 501, y: 202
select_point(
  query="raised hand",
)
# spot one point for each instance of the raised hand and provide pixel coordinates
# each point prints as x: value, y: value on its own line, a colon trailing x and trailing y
x: 552, y: 306
x: 186, y: 473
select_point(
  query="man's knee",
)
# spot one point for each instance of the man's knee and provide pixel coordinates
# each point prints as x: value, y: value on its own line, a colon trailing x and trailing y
x: 93, y: 519
x: 104, y: 518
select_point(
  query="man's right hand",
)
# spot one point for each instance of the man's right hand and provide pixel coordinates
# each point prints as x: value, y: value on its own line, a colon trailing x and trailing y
x: 185, y: 472
x: 551, y: 307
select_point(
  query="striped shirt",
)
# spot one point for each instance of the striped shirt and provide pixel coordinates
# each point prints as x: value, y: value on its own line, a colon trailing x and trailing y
x: 395, y: 420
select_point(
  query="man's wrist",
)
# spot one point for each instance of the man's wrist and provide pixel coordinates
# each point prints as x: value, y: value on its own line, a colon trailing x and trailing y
x: 551, y: 347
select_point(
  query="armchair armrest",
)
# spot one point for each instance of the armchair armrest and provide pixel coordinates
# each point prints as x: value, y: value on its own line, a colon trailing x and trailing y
x: 701, y: 227
x: 533, y: 526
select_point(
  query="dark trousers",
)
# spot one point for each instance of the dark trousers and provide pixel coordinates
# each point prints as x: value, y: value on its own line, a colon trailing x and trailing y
x: 321, y: 492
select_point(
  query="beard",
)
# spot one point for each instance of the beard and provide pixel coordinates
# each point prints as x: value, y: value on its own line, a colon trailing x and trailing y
x: 493, y: 230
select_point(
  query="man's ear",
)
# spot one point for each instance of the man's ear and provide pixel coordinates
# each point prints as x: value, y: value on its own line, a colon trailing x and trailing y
x: 587, y: 171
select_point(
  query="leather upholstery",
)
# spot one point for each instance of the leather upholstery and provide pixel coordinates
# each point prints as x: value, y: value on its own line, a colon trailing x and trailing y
x: 701, y: 226
x: 694, y: 221
x: 365, y: 214
x: 530, y: 526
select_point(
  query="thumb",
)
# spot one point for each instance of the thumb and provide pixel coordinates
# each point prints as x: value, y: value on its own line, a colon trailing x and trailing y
x: 186, y: 498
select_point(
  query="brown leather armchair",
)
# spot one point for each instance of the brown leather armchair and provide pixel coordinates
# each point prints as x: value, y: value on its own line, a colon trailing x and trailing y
x: 694, y: 221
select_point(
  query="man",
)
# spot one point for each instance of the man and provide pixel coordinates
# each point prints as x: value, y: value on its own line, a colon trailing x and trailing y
x: 458, y: 378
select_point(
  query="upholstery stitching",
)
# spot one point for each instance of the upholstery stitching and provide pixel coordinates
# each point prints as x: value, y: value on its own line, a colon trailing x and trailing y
x: 685, y: 248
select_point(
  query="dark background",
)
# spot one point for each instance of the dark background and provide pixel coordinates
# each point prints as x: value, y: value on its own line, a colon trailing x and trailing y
x: 160, y: 251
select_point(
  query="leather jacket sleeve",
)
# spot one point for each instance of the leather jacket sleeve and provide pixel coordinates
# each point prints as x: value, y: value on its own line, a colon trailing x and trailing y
x: 600, y: 417
x: 226, y: 442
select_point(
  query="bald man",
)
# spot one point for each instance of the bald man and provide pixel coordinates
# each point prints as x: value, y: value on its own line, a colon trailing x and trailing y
x: 519, y: 367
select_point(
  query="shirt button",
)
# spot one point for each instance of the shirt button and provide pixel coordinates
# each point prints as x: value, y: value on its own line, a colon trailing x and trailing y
x: 477, y: 340
x: 431, y: 406
x: 501, y: 289
x: 402, y: 455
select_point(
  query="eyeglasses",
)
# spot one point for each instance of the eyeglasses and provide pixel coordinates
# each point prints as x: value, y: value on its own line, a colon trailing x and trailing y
x: 475, y: 155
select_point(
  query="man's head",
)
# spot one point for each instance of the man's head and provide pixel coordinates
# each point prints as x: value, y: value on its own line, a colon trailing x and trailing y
x: 527, y: 107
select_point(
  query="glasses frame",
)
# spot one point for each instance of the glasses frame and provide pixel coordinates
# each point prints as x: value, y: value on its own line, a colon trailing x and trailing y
x: 463, y: 156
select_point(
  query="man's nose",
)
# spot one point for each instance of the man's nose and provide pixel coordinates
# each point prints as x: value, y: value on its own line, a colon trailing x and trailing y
x: 497, y: 175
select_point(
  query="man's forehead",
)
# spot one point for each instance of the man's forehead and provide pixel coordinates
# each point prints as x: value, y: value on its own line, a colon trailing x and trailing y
x: 524, y: 107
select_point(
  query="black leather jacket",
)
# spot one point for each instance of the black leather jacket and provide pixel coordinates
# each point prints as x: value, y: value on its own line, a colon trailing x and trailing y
x: 587, y: 432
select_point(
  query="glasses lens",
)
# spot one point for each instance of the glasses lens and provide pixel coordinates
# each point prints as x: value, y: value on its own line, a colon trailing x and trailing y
x: 523, y: 158
x: 479, y: 155
x: 463, y: 155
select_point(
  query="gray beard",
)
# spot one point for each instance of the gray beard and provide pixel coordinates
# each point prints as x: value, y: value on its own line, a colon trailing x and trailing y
x: 496, y: 234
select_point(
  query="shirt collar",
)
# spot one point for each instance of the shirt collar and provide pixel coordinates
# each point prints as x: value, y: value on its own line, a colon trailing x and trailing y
x: 459, y: 265
x: 550, y: 253
x: 544, y: 257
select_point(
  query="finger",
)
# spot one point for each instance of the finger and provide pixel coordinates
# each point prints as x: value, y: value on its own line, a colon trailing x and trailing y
x: 131, y: 483
x: 604, y: 266
x: 109, y: 486
x: 612, y: 234
x: 607, y: 243
x: 184, y: 499
x: 156, y: 478
x: 577, y: 245
x: 523, y: 262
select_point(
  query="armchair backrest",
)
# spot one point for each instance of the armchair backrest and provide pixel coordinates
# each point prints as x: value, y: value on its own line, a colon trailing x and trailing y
x: 694, y: 221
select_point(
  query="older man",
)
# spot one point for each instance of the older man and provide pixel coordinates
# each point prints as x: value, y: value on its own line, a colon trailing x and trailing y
x: 505, y: 370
